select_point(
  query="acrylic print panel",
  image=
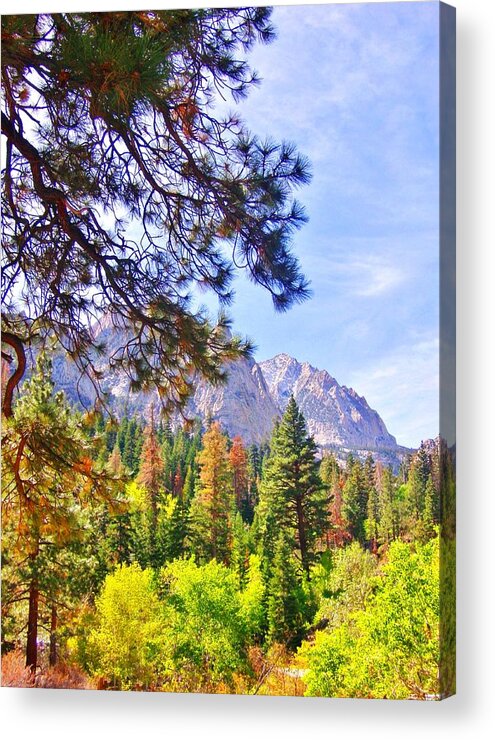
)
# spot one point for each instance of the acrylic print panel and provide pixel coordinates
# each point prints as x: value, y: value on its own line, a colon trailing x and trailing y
x: 228, y: 350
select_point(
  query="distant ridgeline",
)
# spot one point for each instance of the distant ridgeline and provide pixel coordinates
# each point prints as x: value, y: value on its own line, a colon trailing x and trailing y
x: 251, y: 400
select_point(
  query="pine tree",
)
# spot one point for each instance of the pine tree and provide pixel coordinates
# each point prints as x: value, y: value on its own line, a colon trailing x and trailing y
x: 239, y: 558
x: 291, y: 489
x: 416, y: 485
x: 151, y: 467
x: 337, y: 534
x: 213, y: 503
x: 355, y: 500
x: 329, y: 470
x: 426, y: 527
x: 254, y: 477
x: 173, y: 529
x: 131, y: 445
x: 189, y: 485
x: 373, y: 509
x: 48, y: 479
x: 115, y: 466
x: 150, y: 476
x: 116, y: 85
x: 388, y: 517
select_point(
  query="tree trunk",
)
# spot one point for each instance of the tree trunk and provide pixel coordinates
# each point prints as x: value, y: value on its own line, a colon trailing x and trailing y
x: 302, y: 535
x: 53, y: 636
x: 32, y: 633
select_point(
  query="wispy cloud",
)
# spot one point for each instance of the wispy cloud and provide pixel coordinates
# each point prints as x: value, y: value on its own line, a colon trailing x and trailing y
x: 368, y: 276
x: 356, y: 88
x: 403, y: 385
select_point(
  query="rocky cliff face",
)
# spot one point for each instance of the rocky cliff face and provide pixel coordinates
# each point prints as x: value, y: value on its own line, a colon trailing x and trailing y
x: 243, y: 405
x: 253, y: 397
x: 336, y: 415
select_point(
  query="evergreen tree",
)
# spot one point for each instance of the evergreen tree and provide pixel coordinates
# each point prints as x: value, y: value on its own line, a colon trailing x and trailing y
x: 388, y: 516
x: 173, y: 530
x: 426, y: 527
x: 355, y: 500
x: 116, y: 85
x: 329, y: 470
x: 331, y: 477
x: 150, y: 477
x: 115, y: 466
x: 416, y: 485
x: 189, y: 485
x: 292, y: 491
x: 373, y: 511
x: 150, y: 474
x: 48, y: 478
x: 239, y: 558
x: 238, y: 459
x: 254, y: 477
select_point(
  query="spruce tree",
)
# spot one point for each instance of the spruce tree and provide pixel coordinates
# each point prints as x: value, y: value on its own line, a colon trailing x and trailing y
x: 293, y: 496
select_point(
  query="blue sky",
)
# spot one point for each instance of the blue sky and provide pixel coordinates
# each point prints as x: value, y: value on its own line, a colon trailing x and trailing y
x: 356, y: 88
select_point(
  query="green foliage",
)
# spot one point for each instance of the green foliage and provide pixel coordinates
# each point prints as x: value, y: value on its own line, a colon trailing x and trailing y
x: 49, y: 479
x: 82, y: 141
x: 253, y: 599
x: 389, y: 648
x: 346, y: 584
x: 355, y: 500
x: 239, y: 556
x: 293, y: 498
x: 126, y: 643
x: 207, y: 623
x: 285, y: 597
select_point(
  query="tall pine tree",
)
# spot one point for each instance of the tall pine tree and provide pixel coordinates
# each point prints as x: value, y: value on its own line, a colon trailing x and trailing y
x: 292, y: 492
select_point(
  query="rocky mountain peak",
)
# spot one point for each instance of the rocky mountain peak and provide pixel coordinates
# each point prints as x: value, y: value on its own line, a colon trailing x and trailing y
x: 254, y: 396
x: 336, y: 415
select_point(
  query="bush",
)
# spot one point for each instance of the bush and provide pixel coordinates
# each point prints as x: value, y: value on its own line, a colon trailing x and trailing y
x: 389, y: 649
x: 205, y: 625
x: 126, y: 643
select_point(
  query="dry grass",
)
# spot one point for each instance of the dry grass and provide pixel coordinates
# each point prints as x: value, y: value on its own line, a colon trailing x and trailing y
x: 62, y: 677
x: 276, y: 673
x: 16, y: 675
x: 14, y: 671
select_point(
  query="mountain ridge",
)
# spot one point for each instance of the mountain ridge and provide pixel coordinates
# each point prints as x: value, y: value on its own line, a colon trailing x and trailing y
x: 253, y: 397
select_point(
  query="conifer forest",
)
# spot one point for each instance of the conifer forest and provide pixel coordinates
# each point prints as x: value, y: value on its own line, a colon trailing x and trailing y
x: 155, y: 551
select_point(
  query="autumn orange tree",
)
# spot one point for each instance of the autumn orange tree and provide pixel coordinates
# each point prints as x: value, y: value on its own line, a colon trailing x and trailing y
x: 213, y: 504
x: 48, y: 479
x: 152, y: 467
x: 239, y: 462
